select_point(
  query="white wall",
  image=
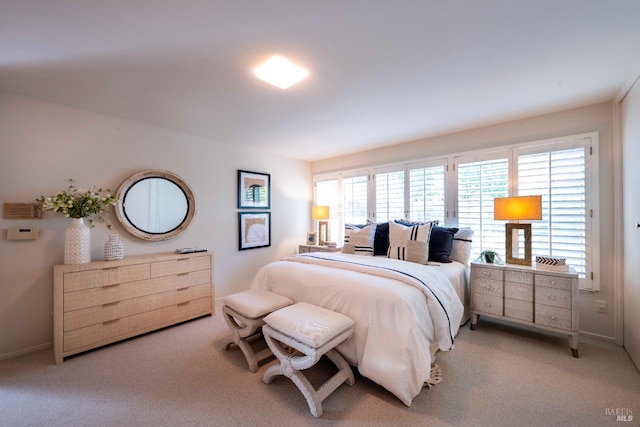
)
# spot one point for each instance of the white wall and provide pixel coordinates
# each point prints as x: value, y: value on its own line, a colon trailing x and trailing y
x: 43, y: 144
x: 593, y: 118
x: 631, y: 217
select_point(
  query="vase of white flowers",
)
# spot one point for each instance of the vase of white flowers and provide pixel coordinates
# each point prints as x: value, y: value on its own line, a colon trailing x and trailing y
x: 81, y: 206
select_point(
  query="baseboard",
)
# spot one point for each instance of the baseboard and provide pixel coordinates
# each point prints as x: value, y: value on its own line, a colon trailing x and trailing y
x: 599, y: 337
x: 26, y: 350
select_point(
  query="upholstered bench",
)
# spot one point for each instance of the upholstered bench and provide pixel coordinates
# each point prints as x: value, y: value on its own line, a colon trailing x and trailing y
x: 313, y: 331
x: 244, y: 312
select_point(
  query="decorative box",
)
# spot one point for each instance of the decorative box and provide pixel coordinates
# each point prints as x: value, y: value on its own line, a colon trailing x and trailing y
x: 554, y: 263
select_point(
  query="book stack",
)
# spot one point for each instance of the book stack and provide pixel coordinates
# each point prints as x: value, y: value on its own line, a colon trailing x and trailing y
x: 552, y: 263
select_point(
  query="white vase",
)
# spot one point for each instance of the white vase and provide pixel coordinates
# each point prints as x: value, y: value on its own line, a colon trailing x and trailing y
x: 77, y: 243
x: 113, y: 249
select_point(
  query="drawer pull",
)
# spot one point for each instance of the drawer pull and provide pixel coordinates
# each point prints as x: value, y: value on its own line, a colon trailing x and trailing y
x: 109, y: 322
x: 110, y: 268
x: 552, y: 297
x: 109, y: 304
x: 552, y: 318
x: 182, y: 259
x: 488, y: 304
x: 182, y: 289
x: 183, y: 274
x: 184, y: 303
x: 110, y: 286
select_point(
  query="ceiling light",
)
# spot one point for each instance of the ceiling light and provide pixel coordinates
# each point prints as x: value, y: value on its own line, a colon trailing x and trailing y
x: 280, y: 72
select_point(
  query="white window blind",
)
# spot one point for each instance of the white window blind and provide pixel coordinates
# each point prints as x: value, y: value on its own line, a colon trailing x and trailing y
x: 389, y: 196
x: 354, y: 199
x: 479, y: 182
x: 560, y: 176
x: 427, y: 193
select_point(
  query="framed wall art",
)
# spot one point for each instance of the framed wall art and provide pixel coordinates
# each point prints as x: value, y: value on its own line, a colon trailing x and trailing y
x: 312, y: 238
x: 254, y: 190
x: 254, y: 230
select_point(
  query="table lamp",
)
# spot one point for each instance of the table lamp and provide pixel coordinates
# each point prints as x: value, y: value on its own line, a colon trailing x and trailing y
x: 516, y: 209
x: 321, y: 214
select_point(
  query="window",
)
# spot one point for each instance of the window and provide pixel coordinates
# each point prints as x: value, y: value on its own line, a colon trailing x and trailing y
x: 562, y: 170
x: 560, y: 175
x: 389, y: 196
x: 354, y: 199
x: 427, y: 192
x: 480, y: 180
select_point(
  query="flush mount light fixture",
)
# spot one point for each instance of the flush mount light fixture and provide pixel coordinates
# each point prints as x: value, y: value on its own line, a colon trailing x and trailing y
x: 280, y: 72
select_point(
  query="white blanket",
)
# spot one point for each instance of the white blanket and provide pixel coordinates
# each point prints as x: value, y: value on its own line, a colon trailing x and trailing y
x: 399, y: 309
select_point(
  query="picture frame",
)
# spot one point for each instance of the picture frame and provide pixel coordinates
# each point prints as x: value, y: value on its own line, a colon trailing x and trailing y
x: 254, y: 230
x: 312, y: 238
x: 254, y: 190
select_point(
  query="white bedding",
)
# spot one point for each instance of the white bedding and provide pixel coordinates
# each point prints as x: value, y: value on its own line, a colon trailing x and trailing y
x: 400, y: 310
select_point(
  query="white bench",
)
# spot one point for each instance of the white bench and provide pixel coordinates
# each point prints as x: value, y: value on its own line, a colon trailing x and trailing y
x: 313, y: 331
x: 244, y: 312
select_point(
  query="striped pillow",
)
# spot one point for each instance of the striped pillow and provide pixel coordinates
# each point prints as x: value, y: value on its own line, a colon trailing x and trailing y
x: 358, y: 240
x: 410, y: 243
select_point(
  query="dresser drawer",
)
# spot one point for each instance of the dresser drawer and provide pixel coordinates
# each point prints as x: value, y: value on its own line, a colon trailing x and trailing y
x: 97, y: 278
x: 552, y: 316
x: 129, y: 307
x: 519, y: 291
x: 553, y: 297
x: 487, y: 303
x: 558, y: 282
x: 488, y: 273
x: 125, y: 327
x: 180, y: 265
x: 118, y: 292
x: 523, y: 277
x: 488, y: 287
x: 517, y: 309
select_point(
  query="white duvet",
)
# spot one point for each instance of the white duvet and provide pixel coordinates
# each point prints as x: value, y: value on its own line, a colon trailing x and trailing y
x: 399, y: 308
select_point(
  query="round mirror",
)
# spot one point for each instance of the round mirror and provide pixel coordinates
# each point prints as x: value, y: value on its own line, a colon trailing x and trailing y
x: 155, y: 205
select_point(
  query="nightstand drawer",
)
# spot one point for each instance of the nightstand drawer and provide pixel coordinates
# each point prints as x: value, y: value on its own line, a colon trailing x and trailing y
x: 552, y: 316
x: 553, y: 297
x: 557, y: 282
x: 487, y: 303
x: 516, y: 309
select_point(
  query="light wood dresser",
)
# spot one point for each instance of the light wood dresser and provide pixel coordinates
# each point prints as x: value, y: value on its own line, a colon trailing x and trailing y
x: 106, y: 301
x: 540, y: 298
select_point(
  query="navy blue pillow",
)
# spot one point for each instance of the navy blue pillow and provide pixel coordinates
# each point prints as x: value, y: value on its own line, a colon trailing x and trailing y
x: 441, y: 243
x: 381, y: 240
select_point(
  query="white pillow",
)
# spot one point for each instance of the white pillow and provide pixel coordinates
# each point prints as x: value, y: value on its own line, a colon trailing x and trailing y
x: 409, y: 243
x: 461, y: 248
x: 358, y: 240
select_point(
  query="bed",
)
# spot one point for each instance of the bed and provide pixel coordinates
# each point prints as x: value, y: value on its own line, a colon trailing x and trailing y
x: 403, y: 311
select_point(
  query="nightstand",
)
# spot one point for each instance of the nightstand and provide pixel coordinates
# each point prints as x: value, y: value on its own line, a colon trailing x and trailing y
x: 316, y: 248
x: 543, y: 299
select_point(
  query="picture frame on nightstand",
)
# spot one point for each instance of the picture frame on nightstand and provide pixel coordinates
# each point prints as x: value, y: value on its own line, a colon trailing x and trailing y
x: 312, y: 238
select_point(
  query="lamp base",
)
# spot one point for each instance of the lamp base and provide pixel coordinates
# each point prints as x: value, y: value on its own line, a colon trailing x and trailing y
x: 512, y: 257
x: 323, y: 232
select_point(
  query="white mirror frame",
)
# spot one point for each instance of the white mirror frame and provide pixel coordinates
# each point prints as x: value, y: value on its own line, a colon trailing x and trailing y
x: 155, y: 173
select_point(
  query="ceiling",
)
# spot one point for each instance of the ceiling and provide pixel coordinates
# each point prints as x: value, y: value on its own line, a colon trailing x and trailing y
x: 381, y: 72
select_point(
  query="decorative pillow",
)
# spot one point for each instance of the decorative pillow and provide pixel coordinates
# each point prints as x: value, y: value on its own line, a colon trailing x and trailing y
x: 358, y: 240
x: 381, y: 241
x: 441, y: 243
x: 409, y: 243
x: 461, y: 248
